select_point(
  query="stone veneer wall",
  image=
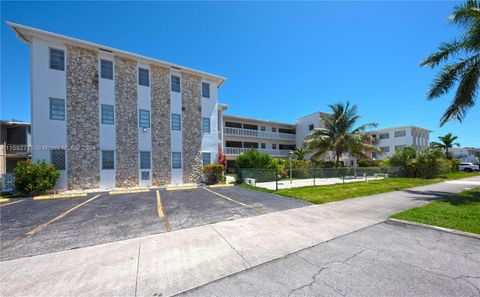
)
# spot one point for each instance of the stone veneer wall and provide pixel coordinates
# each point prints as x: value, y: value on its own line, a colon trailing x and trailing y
x: 161, y: 137
x: 83, y: 131
x: 126, y: 122
x: 191, y: 128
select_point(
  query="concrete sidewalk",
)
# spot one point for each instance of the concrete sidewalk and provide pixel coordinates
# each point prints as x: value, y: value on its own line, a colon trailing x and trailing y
x: 169, y: 263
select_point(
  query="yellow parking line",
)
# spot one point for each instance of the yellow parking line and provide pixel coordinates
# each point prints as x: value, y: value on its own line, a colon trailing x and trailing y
x: 4, y: 199
x: 159, y: 206
x: 221, y: 186
x: 40, y: 227
x: 161, y: 212
x: 234, y: 201
x: 59, y: 196
x: 116, y: 192
x: 181, y: 188
x: 10, y: 203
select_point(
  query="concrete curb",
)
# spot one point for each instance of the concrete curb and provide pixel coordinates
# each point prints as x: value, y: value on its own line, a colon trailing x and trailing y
x: 457, y: 232
x: 60, y: 196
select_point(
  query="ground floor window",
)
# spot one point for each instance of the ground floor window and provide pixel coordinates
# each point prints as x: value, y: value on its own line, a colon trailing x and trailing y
x: 108, y: 160
x: 206, y: 158
x: 144, y: 160
x: 176, y: 160
x: 57, y: 158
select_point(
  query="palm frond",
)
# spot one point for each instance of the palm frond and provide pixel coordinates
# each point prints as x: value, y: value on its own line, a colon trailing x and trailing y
x: 446, y: 78
x: 465, y: 97
x: 445, y: 51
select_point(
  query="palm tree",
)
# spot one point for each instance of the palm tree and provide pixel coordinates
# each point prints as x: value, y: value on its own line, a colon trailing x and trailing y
x: 446, y: 142
x: 464, y: 67
x: 339, y: 134
x: 300, y: 152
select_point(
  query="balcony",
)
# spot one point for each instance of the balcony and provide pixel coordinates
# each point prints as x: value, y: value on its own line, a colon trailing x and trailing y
x: 257, y: 133
x: 233, y: 151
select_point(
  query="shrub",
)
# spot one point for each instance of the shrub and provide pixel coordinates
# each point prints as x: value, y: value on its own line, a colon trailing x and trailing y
x: 404, y: 159
x: 455, y: 165
x: 368, y: 163
x: 213, y: 173
x: 424, y: 164
x: 31, y: 178
x: 427, y: 163
x: 254, y: 159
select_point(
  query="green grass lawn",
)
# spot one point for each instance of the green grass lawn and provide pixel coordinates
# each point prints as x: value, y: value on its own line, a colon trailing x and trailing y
x: 330, y: 193
x: 460, y: 212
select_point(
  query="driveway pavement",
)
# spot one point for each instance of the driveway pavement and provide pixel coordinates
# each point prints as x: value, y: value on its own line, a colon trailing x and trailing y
x: 381, y: 260
x: 108, y: 218
x: 173, y: 262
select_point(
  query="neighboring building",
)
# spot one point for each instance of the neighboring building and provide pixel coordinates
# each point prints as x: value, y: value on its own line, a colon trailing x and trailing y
x: 14, y: 144
x: 241, y: 134
x: 109, y: 118
x: 273, y: 138
x: 465, y: 154
x: 389, y: 140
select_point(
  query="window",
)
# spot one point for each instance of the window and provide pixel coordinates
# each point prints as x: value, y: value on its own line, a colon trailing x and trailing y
x: 106, y: 69
x: 176, y: 122
x: 143, y: 78
x: 57, y: 158
x: 206, y: 125
x: 400, y: 133
x: 176, y: 160
x: 144, y: 118
x: 144, y: 160
x: 107, y: 114
x: 385, y: 149
x: 274, y: 129
x: 384, y: 135
x: 263, y: 145
x: 108, y: 160
x: 205, y: 90
x: 206, y: 158
x: 262, y: 128
x: 399, y: 147
x: 57, y: 109
x: 310, y: 128
x: 57, y: 59
x: 175, y: 83
x: 274, y: 146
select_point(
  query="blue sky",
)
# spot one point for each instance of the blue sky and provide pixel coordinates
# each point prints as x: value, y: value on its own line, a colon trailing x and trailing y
x: 282, y: 60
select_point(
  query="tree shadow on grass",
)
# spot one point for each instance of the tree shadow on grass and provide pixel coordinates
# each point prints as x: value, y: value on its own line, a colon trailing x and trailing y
x: 468, y: 197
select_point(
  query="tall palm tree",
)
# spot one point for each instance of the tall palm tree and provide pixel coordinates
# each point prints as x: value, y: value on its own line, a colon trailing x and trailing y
x: 446, y: 142
x: 339, y: 134
x: 464, y: 65
x: 300, y: 152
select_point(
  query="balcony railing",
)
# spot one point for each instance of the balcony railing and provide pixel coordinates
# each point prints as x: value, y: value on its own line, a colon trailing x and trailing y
x: 257, y: 133
x: 271, y: 152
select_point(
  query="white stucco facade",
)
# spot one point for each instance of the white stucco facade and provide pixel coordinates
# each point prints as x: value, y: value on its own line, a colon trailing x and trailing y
x: 389, y: 140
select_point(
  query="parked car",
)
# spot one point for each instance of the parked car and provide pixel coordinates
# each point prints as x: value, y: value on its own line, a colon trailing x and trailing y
x: 468, y: 167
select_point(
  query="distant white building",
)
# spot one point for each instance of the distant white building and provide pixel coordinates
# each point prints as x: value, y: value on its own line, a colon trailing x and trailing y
x: 389, y: 140
x: 465, y: 154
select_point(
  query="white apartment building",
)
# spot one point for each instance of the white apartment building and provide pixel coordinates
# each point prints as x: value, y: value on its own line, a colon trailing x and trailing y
x: 278, y: 139
x: 241, y: 133
x: 108, y: 118
x: 389, y: 140
x: 465, y: 154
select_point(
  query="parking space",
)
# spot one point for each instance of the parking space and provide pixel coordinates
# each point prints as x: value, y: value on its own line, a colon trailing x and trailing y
x: 33, y: 227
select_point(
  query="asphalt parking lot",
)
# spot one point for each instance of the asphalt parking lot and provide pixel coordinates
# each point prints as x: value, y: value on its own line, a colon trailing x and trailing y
x: 32, y: 227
